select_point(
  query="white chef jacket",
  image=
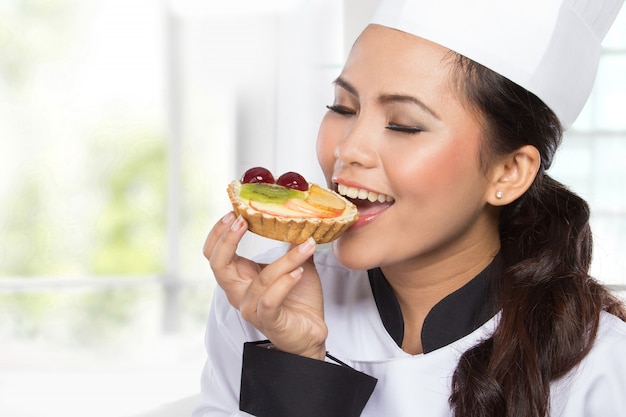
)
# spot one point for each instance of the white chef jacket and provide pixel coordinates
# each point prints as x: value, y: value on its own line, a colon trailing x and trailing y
x: 407, y: 385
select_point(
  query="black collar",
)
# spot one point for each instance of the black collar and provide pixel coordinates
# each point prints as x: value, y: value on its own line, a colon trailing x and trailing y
x: 454, y: 317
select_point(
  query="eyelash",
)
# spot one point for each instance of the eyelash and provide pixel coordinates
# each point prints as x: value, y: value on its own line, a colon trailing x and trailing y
x: 340, y: 110
x: 411, y: 130
x: 391, y: 126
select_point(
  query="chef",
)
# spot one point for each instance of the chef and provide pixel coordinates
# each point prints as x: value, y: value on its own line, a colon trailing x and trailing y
x: 464, y: 290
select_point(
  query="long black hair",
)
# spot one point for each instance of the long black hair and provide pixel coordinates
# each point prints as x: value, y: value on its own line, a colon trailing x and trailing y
x: 550, y: 306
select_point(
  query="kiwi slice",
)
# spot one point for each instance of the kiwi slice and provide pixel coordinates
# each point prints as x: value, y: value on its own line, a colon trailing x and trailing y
x: 268, y: 193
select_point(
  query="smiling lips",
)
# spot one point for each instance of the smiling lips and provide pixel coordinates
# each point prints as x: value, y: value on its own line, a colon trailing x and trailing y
x: 369, y: 203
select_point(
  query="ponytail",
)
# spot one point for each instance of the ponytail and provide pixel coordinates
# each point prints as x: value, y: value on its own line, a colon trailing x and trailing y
x: 549, y: 305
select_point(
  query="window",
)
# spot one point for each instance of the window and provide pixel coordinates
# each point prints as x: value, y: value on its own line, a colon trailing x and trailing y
x: 121, y: 121
x: 591, y: 160
x: 94, y: 314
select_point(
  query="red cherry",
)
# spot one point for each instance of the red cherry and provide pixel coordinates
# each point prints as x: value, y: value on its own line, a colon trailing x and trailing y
x: 293, y: 180
x: 257, y: 174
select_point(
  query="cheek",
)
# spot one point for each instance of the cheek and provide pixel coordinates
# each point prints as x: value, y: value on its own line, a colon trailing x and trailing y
x: 445, y: 171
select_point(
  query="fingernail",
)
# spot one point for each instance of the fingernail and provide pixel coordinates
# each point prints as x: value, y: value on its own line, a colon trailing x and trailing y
x: 237, y: 225
x: 228, y: 218
x: 297, y: 273
x: 307, y: 245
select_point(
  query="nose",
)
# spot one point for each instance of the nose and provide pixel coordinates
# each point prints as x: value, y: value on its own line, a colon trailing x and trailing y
x: 358, y: 146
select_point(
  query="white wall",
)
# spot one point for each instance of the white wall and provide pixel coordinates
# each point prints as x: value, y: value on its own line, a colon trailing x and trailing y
x: 357, y: 14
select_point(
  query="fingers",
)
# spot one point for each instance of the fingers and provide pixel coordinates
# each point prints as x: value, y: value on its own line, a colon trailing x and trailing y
x: 293, y: 259
x: 216, y: 233
x: 221, y: 244
x: 267, y: 294
x: 283, y: 299
x: 267, y: 307
x: 259, y: 293
x: 231, y: 272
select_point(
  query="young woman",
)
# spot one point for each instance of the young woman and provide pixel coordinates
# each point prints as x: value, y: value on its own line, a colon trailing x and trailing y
x: 466, y: 294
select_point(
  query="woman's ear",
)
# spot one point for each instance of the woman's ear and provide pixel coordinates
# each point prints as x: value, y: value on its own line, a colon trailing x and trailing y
x: 512, y: 175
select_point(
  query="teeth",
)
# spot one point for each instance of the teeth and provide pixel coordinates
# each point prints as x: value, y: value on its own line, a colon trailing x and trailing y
x: 352, y: 192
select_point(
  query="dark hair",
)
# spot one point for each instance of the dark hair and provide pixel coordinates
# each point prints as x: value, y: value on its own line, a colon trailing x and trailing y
x: 549, y: 305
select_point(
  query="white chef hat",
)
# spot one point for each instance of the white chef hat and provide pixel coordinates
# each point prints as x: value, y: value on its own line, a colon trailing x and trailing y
x: 549, y: 47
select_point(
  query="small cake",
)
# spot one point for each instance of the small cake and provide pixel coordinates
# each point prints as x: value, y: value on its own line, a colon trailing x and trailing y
x: 289, y: 208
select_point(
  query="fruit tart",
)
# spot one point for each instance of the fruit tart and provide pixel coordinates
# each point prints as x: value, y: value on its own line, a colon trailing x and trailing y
x: 289, y: 208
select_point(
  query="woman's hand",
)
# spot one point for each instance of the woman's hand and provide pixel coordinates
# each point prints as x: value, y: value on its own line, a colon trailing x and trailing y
x: 283, y: 299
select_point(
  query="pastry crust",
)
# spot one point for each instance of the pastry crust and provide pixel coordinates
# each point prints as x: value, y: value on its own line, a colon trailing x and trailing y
x: 292, y: 229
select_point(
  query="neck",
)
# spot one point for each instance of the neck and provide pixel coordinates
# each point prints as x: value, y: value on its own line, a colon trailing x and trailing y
x: 421, y: 284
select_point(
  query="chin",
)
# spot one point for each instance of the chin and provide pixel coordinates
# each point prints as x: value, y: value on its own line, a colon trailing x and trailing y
x: 351, y: 255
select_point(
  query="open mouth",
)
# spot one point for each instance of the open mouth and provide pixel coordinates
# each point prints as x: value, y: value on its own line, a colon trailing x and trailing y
x: 369, y: 203
x: 359, y: 194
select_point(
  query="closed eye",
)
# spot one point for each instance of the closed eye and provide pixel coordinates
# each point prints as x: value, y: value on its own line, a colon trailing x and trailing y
x: 403, y: 129
x: 335, y: 108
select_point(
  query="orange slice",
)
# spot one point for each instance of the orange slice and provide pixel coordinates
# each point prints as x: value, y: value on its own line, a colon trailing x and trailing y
x: 325, y: 200
x: 310, y: 210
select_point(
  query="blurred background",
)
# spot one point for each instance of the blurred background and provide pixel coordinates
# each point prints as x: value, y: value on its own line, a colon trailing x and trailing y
x: 122, y: 121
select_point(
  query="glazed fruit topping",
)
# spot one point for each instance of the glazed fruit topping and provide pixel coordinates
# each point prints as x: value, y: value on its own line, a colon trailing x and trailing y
x: 268, y: 193
x: 264, y: 176
x: 325, y: 200
x: 293, y: 180
x: 290, y: 195
x: 257, y: 174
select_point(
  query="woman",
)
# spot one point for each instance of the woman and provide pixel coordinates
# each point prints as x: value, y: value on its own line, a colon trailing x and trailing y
x: 468, y: 293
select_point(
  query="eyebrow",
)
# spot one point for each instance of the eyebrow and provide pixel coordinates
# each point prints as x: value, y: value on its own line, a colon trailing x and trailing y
x: 388, y: 98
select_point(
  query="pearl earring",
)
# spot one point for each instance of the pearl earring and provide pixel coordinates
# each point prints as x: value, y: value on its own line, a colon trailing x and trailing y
x: 499, y: 194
